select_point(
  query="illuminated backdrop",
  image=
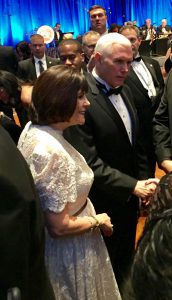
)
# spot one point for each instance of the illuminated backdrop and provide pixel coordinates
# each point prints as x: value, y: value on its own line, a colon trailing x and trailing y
x: 21, y: 18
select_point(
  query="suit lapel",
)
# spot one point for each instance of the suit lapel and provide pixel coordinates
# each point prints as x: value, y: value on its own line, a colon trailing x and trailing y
x: 33, y: 69
x: 152, y: 71
x: 103, y: 101
x: 132, y: 113
x: 136, y: 81
x: 49, y: 62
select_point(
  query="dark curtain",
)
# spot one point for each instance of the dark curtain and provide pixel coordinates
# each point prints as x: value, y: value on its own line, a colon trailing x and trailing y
x: 21, y: 18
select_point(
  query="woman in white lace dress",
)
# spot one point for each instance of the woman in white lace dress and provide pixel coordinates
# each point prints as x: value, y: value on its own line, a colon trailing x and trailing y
x: 76, y: 256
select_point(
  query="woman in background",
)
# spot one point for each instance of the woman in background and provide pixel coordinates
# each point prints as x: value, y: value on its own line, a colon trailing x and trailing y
x: 151, y: 272
x: 77, y: 259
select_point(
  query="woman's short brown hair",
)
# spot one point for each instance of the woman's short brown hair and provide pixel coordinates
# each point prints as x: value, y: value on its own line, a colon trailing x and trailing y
x: 54, y: 95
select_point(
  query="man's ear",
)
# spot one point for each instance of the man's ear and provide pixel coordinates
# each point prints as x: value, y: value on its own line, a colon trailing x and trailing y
x: 83, y: 56
x: 97, y: 56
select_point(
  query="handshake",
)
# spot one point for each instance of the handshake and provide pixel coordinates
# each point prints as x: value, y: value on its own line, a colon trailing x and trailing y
x: 145, y: 189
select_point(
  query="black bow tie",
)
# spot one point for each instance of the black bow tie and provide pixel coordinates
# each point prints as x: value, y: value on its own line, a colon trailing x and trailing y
x: 115, y: 91
x: 137, y: 58
x: 110, y: 92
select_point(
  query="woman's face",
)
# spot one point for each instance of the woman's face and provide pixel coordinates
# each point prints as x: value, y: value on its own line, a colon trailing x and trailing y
x: 78, y: 117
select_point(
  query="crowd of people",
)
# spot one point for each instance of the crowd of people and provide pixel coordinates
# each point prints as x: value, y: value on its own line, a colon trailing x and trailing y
x: 90, y: 126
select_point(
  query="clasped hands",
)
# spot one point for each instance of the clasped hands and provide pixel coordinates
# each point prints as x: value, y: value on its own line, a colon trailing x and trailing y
x: 145, y: 189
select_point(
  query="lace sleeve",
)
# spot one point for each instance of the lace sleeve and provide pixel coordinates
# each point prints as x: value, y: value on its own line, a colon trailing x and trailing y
x: 55, y: 180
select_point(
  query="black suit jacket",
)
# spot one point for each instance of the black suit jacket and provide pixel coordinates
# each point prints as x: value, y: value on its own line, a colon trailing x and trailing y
x: 162, y: 124
x: 145, y: 106
x: 27, y: 71
x: 159, y: 29
x: 8, y: 59
x: 21, y: 228
x: 104, y: 143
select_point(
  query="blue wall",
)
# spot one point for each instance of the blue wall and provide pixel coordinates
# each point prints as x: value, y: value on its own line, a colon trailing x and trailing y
x: 21, y: 18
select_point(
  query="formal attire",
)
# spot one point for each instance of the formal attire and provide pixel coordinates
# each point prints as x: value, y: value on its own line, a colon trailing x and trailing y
x: 28, y: 68
x: 147, y: 85
x: 111, y: 151
x: 8, y: 59
x: 162, y: 124
x: 21, y: 228
x: 78, y: 265
x: 58, y: 36
x: 148, y: 33
x: 163, y: 30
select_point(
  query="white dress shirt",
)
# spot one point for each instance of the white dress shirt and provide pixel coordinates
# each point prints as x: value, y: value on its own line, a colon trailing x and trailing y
x: 144, y: 76
x: 119, y: 105
x: 44, y: 64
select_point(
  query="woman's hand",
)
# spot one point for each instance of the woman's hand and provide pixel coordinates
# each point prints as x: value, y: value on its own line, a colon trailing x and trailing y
x: 105, y: 224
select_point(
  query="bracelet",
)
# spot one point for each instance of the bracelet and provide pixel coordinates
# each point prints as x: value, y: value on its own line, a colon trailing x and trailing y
x: 93, y: 224
x: 97, y: 222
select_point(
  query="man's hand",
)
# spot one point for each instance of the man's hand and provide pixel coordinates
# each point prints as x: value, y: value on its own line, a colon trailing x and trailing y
x: 145, y: 188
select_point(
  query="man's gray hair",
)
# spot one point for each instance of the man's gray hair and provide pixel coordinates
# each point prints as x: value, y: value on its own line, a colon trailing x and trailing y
x: 106, y: 41
x: 88, y: 34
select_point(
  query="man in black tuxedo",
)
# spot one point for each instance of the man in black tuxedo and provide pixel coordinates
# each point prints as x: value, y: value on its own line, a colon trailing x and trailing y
x: 29, y: 69
x: 21, y: 228
x: 147, y: 84
x: 163, y: 29
x: 8, y: 59
x: 148, y: 31
x: 109, y: 142
x: 162, y: 128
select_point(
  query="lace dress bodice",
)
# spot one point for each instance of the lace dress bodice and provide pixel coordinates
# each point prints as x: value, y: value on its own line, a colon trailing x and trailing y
x: 60, y: 172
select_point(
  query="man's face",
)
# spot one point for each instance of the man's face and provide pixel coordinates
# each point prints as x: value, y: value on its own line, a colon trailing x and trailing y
x: 89, y: 45
x: 148, y: 23
x: 131, y: 35
x: 163, y: 23
x: 37, y: 47
x: 114, y: 65
x: 57, y: 27
x: 98, y: 20
x: 70, y: 56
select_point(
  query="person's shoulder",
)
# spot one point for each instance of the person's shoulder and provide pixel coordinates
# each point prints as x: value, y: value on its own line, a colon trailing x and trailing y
x: 150, y: 60
x: 25, y: 62
x: 52, y: 59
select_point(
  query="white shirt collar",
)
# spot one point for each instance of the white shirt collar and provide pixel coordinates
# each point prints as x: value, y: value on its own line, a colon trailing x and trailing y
x: 43, y: 59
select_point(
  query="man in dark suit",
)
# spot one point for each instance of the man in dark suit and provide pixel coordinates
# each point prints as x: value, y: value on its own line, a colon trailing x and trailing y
x: 8, y: 59
x: 21, y: 228
x: 29, y: 69
x: 162, y: 128
x: 109, y: 142
x: 147, y: 84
